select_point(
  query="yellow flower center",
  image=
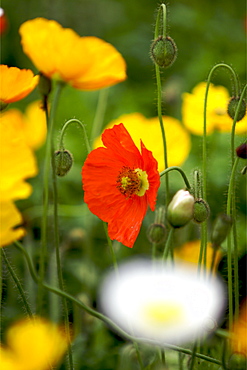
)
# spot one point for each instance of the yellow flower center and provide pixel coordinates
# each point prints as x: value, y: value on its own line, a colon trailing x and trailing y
x: 132, y: 181
x: 160, y: 313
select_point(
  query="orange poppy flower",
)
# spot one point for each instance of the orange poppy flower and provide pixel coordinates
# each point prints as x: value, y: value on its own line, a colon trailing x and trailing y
x: 87, y: 63
x: 15, y: 83
x: 120, y: 182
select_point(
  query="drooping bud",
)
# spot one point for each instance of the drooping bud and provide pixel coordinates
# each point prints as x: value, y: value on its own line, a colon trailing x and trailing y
x: 44, y: 85
x: 201, y: 210
x: 164, y: 51
x: 241, y: 151
x: 181, y: 209
x: 232, y: 107
x: 63, y: 162
x: 237, y: 361
x: 220, y: 230
x: 157, y: 231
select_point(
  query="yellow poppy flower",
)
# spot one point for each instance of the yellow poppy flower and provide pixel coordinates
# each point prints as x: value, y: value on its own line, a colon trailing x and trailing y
x: 16, y: 83
x: 33, y: 345
x: 239, y: 332
x: 10, y: 218
x: 148, y: 130
x: 32, y: 123
x: 86, y: 63
x: 217, y: 117
x: 189, y: 252
x: 17, y: 161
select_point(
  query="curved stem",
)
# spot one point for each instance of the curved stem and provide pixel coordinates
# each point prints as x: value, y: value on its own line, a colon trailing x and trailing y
x: 103, y: 317
x: 65, y: 126
x: 175, y: 168
x: 18, y: 284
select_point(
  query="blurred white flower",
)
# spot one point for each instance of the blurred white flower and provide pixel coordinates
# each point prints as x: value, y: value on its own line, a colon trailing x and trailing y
x: 162, y: 303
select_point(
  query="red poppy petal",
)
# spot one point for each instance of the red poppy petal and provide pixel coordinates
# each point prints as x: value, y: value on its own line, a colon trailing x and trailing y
x: 126, y: 224
x: 120, y: 142
x: 151, y: 168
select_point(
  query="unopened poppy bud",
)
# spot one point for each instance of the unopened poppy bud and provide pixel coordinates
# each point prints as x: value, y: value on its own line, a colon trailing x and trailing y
x: 241, y: 151
x: 201, y: 210
x: 181, y: 209
x: 164, y: 51
x: 63, y: 162
x: 221, y: 228
x: 237, y: 361
x: 232, y: 107
x: 44, y: 85
x: 157, y: 231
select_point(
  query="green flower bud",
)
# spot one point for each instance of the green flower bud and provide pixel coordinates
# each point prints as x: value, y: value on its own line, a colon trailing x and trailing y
x: 164, y: 51
x: 220, y: 230
x: 157, y: 231
x: 232, y: 107
x: 63, y: 162
x: 181, y: 209
x: 44, y: 85
x: 241, y: 151
x: 237, y: 361
x: 201, y: 210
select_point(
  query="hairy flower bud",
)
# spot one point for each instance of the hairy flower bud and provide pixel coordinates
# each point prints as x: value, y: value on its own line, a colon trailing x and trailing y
x: 220, y: 230
x: 156, y: 232
x: 241, y: 151
x: 164, y: 51
x: 181, y: 209
x: 201, y: 210
x: 232, y: 107
x: 63, y: 162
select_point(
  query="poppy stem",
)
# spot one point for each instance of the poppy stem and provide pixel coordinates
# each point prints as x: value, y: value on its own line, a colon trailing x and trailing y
x: 82, y: 125
x: 159, y: 89
x: 109, y: 241
x: 17, y: 284
x: 100, y: 113
x: 175, y: 168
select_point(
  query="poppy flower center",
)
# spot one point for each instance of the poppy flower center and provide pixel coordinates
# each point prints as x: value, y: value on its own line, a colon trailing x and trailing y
x: 132, y: 181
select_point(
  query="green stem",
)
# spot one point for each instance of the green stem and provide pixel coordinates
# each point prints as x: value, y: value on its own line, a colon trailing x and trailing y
x: 100, y: 113
x: 104, y: 318
x: 161, y: 13
x: 138, y: 355
x: 47, y: 163
x: 65, y: 126
x: 109, y: 241
x: 175, y: 168
x: 18, y: 284
x: 168, y: 244
x: 229, y: 237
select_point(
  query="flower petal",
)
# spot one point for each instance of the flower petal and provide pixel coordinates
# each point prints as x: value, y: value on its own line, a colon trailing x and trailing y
x: 15, y: 83
x: 10, y: 218
x: 87, y: 63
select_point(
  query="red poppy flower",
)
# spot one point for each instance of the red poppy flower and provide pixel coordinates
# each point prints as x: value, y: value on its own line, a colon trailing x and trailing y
x: 119, y: 183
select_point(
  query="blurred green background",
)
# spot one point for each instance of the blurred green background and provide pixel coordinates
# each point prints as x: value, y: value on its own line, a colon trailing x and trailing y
x: 206, y: 33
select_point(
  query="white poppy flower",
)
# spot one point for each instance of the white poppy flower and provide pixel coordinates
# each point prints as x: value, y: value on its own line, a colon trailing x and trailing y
x: 161, y: 302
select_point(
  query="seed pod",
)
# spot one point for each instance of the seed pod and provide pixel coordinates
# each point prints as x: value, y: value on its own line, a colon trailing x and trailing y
x: 241, y: 151
x: 221, y: 228
x: 164, y: 51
